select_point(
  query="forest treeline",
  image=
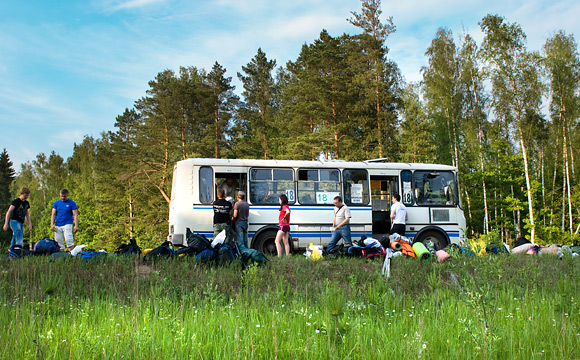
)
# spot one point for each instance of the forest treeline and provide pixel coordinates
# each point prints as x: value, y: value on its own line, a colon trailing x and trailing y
x: 504, y: 114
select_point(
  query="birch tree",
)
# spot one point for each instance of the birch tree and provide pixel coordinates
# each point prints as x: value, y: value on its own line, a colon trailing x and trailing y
x: 516, y: 87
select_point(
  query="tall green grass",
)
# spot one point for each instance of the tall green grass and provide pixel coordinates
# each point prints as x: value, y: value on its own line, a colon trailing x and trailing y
x: 492, y: 307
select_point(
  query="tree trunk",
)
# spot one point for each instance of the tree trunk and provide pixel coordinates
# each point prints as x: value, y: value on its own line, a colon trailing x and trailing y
x: 567, y: 169
x: 183, y: 152
x: 528, y: 187
x: 554, y: 182
x: 217, y: 134
x: 543, y: 187
x: 486, y: 216
x: 469, y: 209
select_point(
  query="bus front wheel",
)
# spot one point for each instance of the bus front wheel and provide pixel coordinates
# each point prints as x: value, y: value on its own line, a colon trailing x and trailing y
x: 436, y: 237
x: 266, y: 243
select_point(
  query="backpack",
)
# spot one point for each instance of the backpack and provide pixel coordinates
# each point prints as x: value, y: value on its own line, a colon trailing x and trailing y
x: 197, y: 242
x: 253, y: 256
x: 61, y: 255
x: 205, y: 255
x: 164, y: 250
x: 17, y: 252
x: 372, y: 253
x: 495, y: 248
x: 129, y: 249
x: 335, y: 252
x: 46, y: 246
x: 225, y: 254
x: 186, y: 251
x: 91, y: 254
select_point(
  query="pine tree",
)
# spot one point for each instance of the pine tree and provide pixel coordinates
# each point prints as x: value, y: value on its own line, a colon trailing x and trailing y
x: 7, y: 176
x: 257, y: 112
x: 376, y: 79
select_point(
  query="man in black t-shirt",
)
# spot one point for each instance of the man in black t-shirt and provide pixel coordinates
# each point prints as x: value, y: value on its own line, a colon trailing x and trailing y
x: 221, y: 214
x: 18, y: 211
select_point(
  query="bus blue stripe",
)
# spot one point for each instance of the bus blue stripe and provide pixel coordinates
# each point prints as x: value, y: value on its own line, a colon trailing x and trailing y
x: 292, y: 208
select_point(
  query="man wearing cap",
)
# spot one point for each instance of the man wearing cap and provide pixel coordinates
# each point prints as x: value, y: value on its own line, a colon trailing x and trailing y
x: 240, y: 218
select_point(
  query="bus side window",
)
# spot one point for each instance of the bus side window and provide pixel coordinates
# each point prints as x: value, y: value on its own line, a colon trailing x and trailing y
x: 318, y: 186
x: 356, y: 187
x: 206, y: 186
x: 266, y: 185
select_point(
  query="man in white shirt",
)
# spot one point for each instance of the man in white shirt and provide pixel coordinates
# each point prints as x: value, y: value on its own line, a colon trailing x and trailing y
x: 399, y: 216
x: 340, y: 224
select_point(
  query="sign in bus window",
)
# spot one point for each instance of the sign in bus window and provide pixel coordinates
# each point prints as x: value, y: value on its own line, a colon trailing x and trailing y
x: 356, y: 187
x: 406, y: 178
x: 267, y: 184
x: 318, y: 186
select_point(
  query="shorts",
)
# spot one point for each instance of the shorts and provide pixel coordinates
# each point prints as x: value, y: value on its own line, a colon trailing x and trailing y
x: 398, y: 228
x: 284, y: 228
x: 64, y: 232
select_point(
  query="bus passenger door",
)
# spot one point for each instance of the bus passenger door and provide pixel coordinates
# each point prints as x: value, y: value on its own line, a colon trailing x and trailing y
x: 382, y: 190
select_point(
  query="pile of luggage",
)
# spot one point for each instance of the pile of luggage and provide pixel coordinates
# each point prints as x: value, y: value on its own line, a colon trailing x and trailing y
x: 49, y: 247
x: 217, y: 251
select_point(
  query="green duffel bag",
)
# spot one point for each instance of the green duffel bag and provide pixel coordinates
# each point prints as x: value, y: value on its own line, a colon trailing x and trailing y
x: 61, y: 255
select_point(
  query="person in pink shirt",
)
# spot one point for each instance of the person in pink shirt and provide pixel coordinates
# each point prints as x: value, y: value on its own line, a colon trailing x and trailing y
x: 284, y: 223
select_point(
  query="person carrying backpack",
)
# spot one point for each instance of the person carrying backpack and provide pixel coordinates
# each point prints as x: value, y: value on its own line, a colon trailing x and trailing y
x: 18, y: 211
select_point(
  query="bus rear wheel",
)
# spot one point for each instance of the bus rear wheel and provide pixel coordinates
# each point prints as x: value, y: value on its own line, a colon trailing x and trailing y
x: 266, y: 242
x: 434, y: 236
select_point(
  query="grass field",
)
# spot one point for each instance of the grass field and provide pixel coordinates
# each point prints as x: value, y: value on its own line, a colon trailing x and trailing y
x: 494, y: 307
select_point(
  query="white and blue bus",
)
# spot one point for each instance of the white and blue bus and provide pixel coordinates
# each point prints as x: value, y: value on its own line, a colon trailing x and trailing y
x: 429, y: 192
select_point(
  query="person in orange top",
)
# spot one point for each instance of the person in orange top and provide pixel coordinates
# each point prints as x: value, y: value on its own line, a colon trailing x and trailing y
x: 284, y: 223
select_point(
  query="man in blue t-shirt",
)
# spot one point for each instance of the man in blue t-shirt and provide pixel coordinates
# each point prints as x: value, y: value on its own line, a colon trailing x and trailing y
x: 64, y: 214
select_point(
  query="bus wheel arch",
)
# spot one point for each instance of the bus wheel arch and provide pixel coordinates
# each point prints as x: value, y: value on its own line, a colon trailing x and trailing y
x: 264, y: 240
x: 435, y: 234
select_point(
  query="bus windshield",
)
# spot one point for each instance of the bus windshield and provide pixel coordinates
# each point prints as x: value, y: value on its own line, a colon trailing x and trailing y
x: 435, y: 188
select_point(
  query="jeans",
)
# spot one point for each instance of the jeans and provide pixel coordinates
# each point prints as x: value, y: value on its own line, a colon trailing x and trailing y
x: 344, y: 233
x: 242, y: 234
x: 17, y: 233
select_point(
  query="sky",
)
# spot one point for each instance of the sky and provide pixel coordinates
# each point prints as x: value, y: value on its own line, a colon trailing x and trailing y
x: 69, y: 68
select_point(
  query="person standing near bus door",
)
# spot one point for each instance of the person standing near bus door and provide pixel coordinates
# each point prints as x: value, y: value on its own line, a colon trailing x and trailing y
x: 18, y: 211
x: 340, y: 224
x: 221, y: 214
x: 64, y: 214
x: 284, y: 226
x: 399, y: 216
x: 240, y: 217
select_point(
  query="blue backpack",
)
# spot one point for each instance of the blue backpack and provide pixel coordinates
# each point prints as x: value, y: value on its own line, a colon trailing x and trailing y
x: 91, y: 254
x: 46, y: 246
x: 206, y: 255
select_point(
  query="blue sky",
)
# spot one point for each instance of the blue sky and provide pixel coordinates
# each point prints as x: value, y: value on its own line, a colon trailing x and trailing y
x: 68, y: 68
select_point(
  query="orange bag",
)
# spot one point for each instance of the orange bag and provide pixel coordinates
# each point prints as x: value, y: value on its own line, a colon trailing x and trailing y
x: 407, y: 249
